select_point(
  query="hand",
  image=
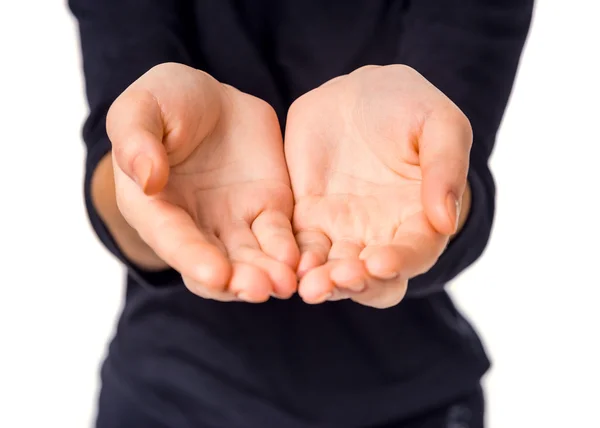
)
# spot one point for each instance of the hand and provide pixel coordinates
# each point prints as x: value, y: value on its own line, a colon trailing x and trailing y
x: 104, y: 197
x: 200, y: 175
x: 378, y: 162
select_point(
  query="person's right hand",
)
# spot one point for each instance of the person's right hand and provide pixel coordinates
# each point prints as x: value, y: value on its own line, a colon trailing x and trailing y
x: 200, y: 174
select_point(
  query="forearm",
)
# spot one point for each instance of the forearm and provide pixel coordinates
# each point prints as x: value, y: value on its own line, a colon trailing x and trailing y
x: 120, y: 41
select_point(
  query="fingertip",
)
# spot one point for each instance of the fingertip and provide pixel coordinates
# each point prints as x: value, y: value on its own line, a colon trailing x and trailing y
x: 284, y: 280
x: 316, y: 286
x: 250, y: 283
x: 135, y: 128
x: 289, y: 255
x: 384, y: 264
x: 309, y: 260
x: 314, y: 249
x: 158, y: 178
x: 214, y: 271
x: 273, y: 232
x: 349, y: 274
x: 382, y: 294
x: 453, y: 212
x: 442, y: 212
x: 445, y: 169
x: 150, y: 174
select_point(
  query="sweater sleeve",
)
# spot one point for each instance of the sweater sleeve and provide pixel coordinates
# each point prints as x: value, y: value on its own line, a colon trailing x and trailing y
x: 120, y: 41
x: 470, y: 50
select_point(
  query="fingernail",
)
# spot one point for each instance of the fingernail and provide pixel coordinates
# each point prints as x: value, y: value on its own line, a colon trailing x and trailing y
x: 453, y: 206
x: 142, y: 169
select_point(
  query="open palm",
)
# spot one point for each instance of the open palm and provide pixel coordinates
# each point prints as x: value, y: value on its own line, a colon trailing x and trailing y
x: 354, y: 149
x: 215, y: 201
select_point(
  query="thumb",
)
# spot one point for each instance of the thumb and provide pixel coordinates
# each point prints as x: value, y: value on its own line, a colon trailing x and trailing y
x: 444, y: 147
x: 135, y: 128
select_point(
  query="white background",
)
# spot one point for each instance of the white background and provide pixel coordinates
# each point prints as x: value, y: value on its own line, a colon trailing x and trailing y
x: 534, y: 294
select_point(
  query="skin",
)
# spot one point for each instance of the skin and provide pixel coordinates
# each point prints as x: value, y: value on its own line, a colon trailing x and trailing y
x: 186, y: 182
x: 377, y: 161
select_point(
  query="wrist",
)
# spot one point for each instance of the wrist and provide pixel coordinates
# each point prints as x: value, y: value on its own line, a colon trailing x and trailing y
x: 104, y: 199
x: 103, y: 192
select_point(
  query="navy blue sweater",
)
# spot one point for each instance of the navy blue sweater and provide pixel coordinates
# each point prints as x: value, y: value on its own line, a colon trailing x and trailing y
x: 181, y: 361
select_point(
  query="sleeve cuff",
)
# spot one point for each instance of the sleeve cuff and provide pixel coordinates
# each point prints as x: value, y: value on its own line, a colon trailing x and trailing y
x: 152, y: 280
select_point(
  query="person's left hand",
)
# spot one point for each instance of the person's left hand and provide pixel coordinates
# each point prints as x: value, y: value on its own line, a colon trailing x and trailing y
x: 378, y: 162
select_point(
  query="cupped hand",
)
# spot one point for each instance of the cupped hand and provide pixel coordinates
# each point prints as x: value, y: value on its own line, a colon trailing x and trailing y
x: 378, y: 162
x: 200, y: 174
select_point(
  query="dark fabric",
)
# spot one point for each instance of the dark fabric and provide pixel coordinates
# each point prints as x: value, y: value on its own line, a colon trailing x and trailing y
x: 185, y: 360
x: 465, y: 412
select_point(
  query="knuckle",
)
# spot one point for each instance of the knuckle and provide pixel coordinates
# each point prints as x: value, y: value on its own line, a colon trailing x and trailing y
x: 459, y: 122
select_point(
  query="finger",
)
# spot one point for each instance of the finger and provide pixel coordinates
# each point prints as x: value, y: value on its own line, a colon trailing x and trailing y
x: 167, y: 111
x: 414, y: 249
x: 314, y: 249
x: 281, y: 281
x: 135, y: 128
x: 343, y: 249
x: 209, y: 294
x: 273, y: 232
x: 242, y: 246
x: 283, y: 278
x: 382, y: 294
x: 316, y: 285
x: 337, y: 295
x: 444, y: 147
x: 335, y: 280
x: 176, y: 239
x: 250, y: 283
x: 347, y: 270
